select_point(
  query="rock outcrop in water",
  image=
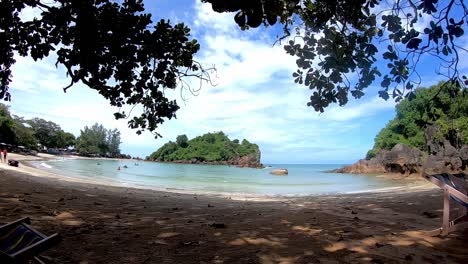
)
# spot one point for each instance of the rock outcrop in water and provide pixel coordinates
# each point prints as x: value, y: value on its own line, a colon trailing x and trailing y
x: 211, y: 149
x: 400, y: 159
x: 279, y: 172
x: 442, y: 157
x: 248, y: 161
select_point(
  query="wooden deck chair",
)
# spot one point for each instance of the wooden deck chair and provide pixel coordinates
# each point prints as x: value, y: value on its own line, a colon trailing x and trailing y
x: 20, y: 243
x: 455, y: 188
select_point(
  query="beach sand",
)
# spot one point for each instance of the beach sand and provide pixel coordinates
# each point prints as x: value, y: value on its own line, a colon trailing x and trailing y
x: 102, y: 224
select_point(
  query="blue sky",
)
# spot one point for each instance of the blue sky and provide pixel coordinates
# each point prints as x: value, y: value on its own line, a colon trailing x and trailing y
x: 255, y: 97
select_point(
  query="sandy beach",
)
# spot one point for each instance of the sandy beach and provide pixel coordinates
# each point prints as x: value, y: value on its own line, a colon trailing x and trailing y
x: 102, y: 224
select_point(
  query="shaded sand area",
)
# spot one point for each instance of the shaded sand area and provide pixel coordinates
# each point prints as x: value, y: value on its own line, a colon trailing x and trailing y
x: 101, y: 224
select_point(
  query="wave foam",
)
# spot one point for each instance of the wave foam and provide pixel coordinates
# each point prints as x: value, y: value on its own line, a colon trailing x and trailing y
x: 43, y: 164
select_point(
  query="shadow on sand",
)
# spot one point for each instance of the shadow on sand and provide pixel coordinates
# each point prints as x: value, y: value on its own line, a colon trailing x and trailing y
x: 118, y: 225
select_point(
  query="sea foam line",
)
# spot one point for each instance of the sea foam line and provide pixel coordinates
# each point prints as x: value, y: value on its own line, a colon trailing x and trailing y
x: 43, y: 164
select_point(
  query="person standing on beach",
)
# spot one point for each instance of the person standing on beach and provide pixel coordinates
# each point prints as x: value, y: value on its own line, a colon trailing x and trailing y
x: 4, y: 154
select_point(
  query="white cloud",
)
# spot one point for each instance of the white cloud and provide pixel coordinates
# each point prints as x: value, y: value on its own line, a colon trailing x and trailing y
x: 359, y: 110
x: 218, y: 22
x: 28, y: 13
x: 32, y: 76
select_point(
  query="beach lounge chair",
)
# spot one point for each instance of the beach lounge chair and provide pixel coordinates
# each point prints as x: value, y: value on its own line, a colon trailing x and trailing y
x: 20, y: 243
x: 455, y: 188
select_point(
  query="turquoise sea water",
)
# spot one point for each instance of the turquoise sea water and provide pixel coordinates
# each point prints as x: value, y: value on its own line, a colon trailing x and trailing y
x: 302, y: 179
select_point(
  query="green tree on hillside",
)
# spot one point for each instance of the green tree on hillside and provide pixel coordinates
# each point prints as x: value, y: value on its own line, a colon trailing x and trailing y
x: 445, y: 105
x: 182, y: 141
x: 28, y: 133
x: 50, y: 134
x: 14, y: 130
x: 208, y: 147
x: 164, y: 153
x: 114, y: 141
x: 7, y: 131
x: 24, y: 134
x: 99, y: 140
x: 92, y: 140
x: 65, y: 139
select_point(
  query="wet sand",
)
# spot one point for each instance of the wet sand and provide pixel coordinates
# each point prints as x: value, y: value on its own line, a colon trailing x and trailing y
x: 102, y: 224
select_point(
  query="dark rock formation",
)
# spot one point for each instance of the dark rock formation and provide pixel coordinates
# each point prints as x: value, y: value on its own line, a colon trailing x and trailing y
x: 363, y: 166
x: 248, y: 161
x: 403, y: 159
x: 431, y: 135
x: 443, y: 158
x: 445, y: 155
x: 464, y: 156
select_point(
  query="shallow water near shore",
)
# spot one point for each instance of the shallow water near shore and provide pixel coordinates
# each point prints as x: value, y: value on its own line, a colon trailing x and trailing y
x: 303, y: 179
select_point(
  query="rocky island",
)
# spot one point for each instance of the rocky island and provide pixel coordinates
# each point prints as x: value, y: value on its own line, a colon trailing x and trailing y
x: 211, y: 148
x: 429, y: 134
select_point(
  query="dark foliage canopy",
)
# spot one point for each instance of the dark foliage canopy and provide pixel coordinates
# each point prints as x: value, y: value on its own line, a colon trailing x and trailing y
x: 50, y: 134
x: 337, y: 42
x: 112, y: 47
x: 115, y: 48
x: 97, y: 140
x: 32, y: 133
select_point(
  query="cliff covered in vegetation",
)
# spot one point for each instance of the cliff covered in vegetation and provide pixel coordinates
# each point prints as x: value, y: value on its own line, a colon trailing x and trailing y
x: 211, y: 148
x: 429, y: 133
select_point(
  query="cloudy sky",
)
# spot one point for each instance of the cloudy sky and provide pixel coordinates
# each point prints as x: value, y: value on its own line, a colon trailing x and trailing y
x: 254, y: 97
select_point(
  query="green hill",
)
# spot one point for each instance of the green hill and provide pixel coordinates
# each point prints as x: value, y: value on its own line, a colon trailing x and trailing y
x: 211, y: 148
x: 444, y: 105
